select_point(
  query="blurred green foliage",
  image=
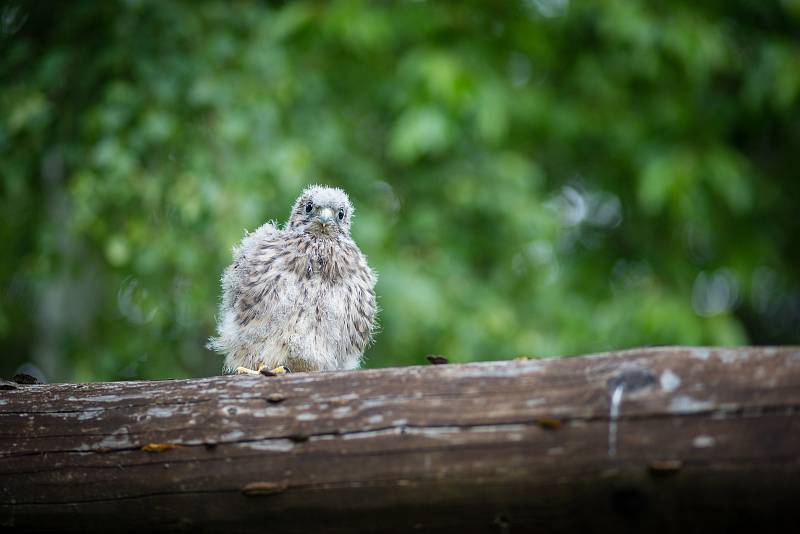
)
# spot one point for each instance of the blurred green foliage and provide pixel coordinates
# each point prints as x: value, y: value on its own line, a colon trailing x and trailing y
x: 535, y: 178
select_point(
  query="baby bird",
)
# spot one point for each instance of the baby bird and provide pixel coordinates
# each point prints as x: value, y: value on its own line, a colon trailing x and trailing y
x: 301, y: 297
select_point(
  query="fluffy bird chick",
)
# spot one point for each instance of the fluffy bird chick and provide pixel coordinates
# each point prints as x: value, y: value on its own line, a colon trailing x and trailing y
x: 301, y: 297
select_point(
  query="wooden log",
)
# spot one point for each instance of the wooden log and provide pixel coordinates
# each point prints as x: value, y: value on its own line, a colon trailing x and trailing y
x: 651, y: 440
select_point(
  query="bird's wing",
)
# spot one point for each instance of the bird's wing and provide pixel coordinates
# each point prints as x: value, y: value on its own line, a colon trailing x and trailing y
x: 258, y: 268
x: 362, y: 303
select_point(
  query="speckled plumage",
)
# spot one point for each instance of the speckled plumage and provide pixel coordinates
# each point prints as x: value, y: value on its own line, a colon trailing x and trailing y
x: 302, y: 296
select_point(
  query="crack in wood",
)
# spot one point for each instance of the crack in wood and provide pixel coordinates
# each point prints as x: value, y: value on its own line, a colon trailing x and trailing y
x: 528, y: 423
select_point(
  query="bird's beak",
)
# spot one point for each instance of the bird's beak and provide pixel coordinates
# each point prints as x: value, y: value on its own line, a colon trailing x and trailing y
x: 325, y: 215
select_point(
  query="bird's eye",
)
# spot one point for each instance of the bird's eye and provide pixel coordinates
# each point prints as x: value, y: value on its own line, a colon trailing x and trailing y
x: 341, y: 214
x: 309, y: 207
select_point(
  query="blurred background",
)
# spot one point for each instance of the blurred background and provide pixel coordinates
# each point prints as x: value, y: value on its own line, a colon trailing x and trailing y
x: 531, y: 178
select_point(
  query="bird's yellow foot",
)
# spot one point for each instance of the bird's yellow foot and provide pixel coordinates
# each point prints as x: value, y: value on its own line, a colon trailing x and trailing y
x: 280, y: 370
x: 262, y: 370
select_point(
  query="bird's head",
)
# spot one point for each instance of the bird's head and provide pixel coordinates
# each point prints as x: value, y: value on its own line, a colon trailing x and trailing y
x: 322, y: 211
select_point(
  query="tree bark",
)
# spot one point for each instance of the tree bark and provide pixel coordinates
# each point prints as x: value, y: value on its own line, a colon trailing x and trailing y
x: 663, y: 439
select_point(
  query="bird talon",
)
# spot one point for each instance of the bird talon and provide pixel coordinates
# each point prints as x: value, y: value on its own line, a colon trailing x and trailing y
x: 245, y: 371
x: 280, y: 370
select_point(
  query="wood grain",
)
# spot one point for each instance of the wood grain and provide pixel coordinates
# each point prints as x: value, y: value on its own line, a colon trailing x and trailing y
x: 703, y: 439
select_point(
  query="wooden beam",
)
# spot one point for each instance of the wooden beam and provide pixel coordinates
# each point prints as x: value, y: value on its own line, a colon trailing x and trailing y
x: 662, y: 439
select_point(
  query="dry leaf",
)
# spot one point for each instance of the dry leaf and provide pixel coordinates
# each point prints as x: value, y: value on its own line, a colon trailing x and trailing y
x: 159, y: 447
x: 275, y: 398
x: 665, y: 467
x: 22, y: 378
x: 257, y: 489
x: 550, y: 423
